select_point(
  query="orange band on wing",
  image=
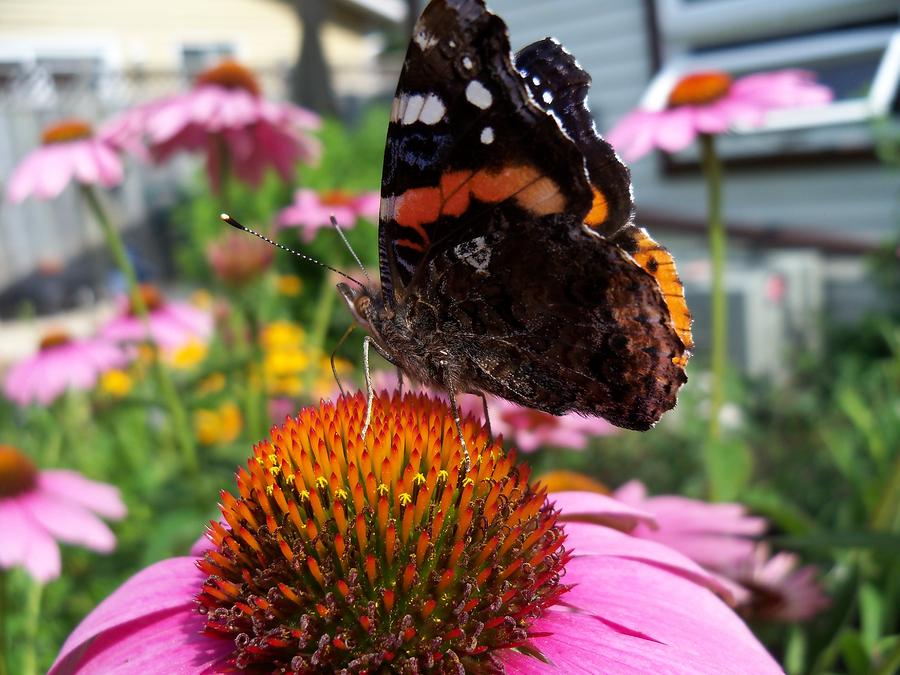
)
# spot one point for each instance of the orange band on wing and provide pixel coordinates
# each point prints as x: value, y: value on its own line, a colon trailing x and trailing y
x: 599, y: 210
x: 658, y: 262
x: 533, y: 191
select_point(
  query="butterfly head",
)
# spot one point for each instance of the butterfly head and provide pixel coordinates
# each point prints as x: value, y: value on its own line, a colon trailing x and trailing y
x: 363, y: 303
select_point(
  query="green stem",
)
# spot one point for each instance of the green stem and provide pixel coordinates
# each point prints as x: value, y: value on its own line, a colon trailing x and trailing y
x: 712, y: 170
x: 32, y: 623
x: 4, y: 609
x: 321, y: 321
x: 241, y: 325
x: 173, y: 402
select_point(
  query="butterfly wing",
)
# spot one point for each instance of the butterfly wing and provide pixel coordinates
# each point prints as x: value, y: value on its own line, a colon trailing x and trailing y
x: 560, y: 86
x: 461, y: 142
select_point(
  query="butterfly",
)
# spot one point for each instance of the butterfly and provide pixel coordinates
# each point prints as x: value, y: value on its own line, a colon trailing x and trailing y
x: 509, y: 261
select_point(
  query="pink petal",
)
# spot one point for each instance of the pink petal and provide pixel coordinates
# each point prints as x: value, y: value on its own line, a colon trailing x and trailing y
x: 161, y: 589
x: 675, y: 129
x: 24, y: 177
x: 56, y: 172
x: 157, y: 644
x: 69, y: 522
x: 84, y: 167
x: 26, y: 543
x: 593, y: 540
x: 592, y: 507
x: 100, y: 498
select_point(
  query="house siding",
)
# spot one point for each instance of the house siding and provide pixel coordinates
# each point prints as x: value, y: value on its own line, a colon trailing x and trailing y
x: 611, y: 41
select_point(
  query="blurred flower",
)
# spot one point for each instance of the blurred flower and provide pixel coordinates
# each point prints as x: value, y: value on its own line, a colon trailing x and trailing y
x: 61, y: 363
x: 561, y: 480
x: 39, y: 508
x: 720, y: 538
x: 173, y: 324
x: 712, y: 103
x: 312, y: 210
x: 285, y: 358
x: 70, y: 151
x: 390, y: 555
x: 238, y: 258
x: 225, y: 117
x: 202, y: 299
x: 116, y: 383
x: 778, y: 589
x: 189, y: 355
x: 281, y: 407
x: 218, y: 427
x: 289, y: 285
x: 530, y: 429
x: 713, y: 535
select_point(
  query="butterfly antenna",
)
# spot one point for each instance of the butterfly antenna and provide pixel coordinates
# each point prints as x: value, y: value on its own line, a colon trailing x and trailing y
x: 231, y: 221
x: 350, y: 248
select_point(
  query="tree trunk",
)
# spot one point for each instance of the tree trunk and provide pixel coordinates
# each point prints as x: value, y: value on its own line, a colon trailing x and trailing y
x: 310, y: 77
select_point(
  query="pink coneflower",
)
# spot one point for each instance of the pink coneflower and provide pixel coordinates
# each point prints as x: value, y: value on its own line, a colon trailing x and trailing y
x: 237, y: 259
x: 778, y: 588
x: 226, y: 117
x: 721, y: 538
x: 713, y: 535
x: 713, y: 103
x: 529, y: 429
x: 39, y: 508
x: 69, y: 151
x: 311, y: 210
x: 388, y: 554
x: 61, y: 363
x: 173, y: 324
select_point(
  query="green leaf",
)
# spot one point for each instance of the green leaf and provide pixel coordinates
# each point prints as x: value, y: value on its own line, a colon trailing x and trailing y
x: 729, y: 467
x: 878, y: 541
x: 785, y: 515
x: 854, y: 653
x: 871, y: 615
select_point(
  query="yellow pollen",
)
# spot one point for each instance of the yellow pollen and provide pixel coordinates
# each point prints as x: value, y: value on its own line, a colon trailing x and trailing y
x: 383, y: 489
x: 419, y: 479
x: 340, y: 493
x: 700, y: 89
x: 290, y: 478
x: 270, y: 490
x: 322, y: 482
x: 443, y: 475
x: 304, y: 495
x: 468, y: 481
x: 405, y: 498
x: 66, y: 131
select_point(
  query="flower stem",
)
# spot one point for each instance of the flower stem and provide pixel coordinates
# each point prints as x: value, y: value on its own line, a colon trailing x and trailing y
x: 32, y: 622
x: 4, y: 609
x: 173, y: 402
x: 885, y: 515
x: 712, y: 170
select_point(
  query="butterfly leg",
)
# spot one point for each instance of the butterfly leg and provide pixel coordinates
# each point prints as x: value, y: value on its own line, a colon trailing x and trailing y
x: 400, y: 382
x: 487, y: 416
x: 454, y: 408
x: 370, y: 392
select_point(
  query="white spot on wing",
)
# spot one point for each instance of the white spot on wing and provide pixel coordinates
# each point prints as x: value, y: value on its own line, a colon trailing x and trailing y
x: 475, y: 253
x: 478, y: 95
x: 548, y: 97
x: 536, y: 80
x: 413, y: 108
x: 433, y: 110
x: 487, y: 135
x: 425, y: 40
x: 467, y: 63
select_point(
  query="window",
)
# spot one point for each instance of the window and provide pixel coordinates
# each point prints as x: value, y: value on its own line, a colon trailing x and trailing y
x: 196, y: 58
x: 853, y: 46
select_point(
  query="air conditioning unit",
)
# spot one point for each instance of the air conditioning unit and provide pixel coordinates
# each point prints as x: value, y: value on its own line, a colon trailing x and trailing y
x: 775, y: 304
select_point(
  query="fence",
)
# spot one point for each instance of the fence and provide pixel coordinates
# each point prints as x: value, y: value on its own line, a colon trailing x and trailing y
x: 36, y: 234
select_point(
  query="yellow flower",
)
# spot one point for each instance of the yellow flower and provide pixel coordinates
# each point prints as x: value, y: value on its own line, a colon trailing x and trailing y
x: 206, y: 426
x: 289, y: 284
x: 219, y: 426
x: 188, y: 356
x: 282, y: 334
x: 285, y: 362
x: 231, y: 421
x: 116, y: 383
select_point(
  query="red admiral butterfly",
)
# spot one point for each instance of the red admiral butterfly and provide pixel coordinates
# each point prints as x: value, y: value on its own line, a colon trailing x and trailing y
x: 509, y: 261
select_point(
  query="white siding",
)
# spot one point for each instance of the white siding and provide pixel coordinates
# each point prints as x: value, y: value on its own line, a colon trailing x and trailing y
x: 611, y: 41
